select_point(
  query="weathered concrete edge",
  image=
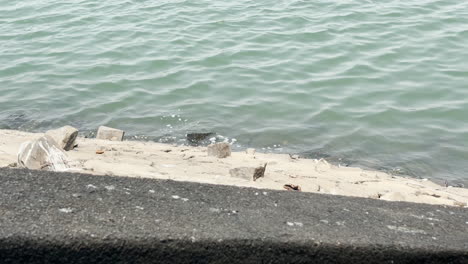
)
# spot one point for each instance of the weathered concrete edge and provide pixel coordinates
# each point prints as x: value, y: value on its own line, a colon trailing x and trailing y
x: 64, y: 250
x: 20, y: 248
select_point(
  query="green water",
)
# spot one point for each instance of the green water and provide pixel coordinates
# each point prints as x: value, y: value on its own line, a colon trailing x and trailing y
x: 380, y: 84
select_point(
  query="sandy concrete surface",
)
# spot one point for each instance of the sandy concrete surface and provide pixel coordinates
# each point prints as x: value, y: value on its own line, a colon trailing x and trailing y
x: 186, y: 163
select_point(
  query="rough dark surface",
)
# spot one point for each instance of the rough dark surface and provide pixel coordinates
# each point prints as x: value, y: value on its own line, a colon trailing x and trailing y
x: 74, y: 218
x: 197, y: 139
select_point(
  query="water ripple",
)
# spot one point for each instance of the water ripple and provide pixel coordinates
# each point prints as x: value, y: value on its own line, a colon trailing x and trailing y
x: 380, y: 83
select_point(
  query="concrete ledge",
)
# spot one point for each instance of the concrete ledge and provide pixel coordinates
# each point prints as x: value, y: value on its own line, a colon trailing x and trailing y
x: 63, y: 217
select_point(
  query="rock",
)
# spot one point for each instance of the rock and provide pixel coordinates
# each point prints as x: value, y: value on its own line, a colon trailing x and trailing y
x: 248, y: 173
x: 259, y: 172
x: 243, y: 173
x: 250, y: 151
x: 195, y: 139
x: 220, y: 150
x: 109, y: 133
x: 43, y: 153
x: 64, y: 136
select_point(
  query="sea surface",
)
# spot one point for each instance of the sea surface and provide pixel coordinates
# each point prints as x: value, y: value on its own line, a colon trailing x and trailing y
x: 371, y: 83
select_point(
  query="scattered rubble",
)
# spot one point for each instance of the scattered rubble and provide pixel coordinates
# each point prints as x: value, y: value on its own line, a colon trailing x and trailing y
x: 248, y: 173
x: 65, y: 137
x: 43, y: 153
x: 259, y: 172
x: 154, y: 160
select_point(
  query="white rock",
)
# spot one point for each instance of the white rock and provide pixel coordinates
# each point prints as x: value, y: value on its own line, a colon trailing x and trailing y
x: 43, y: 153
x: 220, y: 150
x: 109, y: 133
x: 64, y: 136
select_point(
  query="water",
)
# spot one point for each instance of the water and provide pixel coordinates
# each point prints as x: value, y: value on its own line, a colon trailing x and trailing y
x: 380, y: 84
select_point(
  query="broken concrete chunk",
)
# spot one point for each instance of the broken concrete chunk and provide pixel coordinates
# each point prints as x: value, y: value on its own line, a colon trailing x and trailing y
x: 242, y: 172
x: 42, y: 154
x: 109, y: 133
x: 259, y: 172
x: 248, y: 173
x: 220, y: 150
x: 64, y: 136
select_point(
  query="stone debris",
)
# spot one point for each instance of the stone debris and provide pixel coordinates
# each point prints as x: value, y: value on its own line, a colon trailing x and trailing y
x: 196, y: 139
x: 154, y: 160
x: 248, y: 173
x: 250, y: 151
x: 65, y: 137
x: 219, y: 150
x: 259, y: 172
x: 43, y: 153
x: 108, y: 133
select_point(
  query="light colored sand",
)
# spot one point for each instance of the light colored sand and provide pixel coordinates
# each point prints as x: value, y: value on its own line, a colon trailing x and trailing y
x: 183, y: 163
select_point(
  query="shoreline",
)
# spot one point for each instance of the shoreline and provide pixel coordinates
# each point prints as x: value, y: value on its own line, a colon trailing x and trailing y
x: 146, y: 159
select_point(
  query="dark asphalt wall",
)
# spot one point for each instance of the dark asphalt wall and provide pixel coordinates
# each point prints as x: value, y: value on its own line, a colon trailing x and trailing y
x: 75, y: 218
